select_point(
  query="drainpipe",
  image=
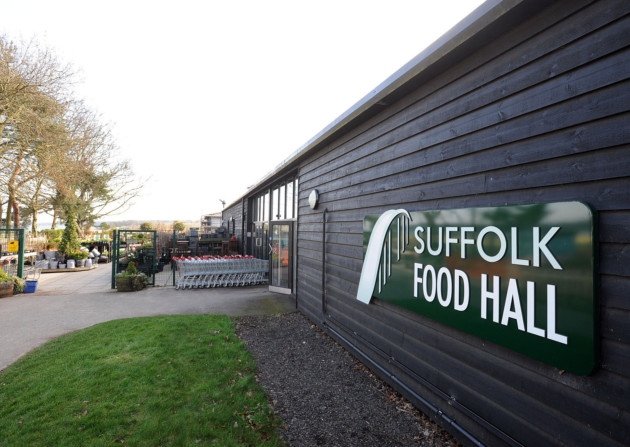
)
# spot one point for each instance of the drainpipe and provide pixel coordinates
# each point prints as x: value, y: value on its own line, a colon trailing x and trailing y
x: 324, y: 262
x: 174, y: 264
x: 114, y: 256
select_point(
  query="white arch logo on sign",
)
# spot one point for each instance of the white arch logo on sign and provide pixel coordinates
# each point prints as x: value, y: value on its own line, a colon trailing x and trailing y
x: 378, y: 256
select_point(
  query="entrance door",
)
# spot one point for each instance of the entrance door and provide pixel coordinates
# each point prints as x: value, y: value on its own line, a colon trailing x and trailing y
x: 281, y: 254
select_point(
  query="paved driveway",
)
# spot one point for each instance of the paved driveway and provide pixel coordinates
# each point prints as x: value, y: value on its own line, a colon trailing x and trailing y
x: 66, y: 302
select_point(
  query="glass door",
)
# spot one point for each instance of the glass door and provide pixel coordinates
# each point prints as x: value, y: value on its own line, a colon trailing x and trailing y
x: 281, y: 255
x: 260, y: 240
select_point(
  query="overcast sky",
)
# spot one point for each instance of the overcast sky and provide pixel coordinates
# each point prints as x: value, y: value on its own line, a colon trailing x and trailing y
x: 206, y: 97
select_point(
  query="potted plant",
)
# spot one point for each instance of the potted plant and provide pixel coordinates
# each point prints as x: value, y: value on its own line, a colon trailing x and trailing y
x: 10, y: 285
x: 131, y: 280
x: 71, y: 261
x: 7, y: 284
x: 62, y: 260
x: 76, y: 258
x: 80, y: 257
x: 70, y: 244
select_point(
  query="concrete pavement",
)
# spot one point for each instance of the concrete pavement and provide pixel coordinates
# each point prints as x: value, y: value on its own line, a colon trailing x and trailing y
x: 66, y: 302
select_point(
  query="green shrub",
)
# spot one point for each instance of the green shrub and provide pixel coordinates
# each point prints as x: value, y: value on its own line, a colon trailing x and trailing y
x: 18, y: 285
x: 79, y: 254
x: 4, y: 276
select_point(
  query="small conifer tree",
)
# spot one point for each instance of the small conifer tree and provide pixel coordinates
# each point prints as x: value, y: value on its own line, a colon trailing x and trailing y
x: 70, y: 239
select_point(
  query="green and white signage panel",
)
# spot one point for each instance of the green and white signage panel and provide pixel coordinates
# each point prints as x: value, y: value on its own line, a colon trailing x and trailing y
x: 520, y: 276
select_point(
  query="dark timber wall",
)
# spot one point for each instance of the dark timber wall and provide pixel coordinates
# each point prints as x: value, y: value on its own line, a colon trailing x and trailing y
x: 535, y: 107
x: 235, y: 227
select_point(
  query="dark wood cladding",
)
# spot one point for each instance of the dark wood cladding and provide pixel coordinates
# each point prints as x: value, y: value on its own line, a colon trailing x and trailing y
x: 238, y: 213
x: 540, y: 113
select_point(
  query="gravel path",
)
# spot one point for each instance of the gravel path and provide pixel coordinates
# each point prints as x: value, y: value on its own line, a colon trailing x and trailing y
x: 326, y: 397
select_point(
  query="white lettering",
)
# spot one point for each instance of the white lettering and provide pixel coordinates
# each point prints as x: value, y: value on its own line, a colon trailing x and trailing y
x: 512, y: 306
x: 465, y: 240
x: 416, y: 233
x: 515, y: 259
x: 461, y: 302
x: 416, y: 279
x: 502, y: 240
x: 541, y: 246
x: 531, y: 311
x: 439, y: 248
x: 448, y: 287
x: 551, y: 316
x: 444, y: 273
x: 492, y: 295
x: 428, y: 296
x: 450, y: 240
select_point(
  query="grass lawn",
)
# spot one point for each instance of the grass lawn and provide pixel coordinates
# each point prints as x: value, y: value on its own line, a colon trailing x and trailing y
x: 159, y: 381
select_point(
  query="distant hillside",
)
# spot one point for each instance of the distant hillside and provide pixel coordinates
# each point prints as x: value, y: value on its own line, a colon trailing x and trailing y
x: 161, y: 225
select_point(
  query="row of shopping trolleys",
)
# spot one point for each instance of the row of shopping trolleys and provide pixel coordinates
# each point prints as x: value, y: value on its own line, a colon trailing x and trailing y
x: 229, y: 271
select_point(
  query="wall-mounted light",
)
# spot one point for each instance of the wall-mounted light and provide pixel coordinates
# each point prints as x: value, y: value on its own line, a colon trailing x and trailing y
x: 313, y: 199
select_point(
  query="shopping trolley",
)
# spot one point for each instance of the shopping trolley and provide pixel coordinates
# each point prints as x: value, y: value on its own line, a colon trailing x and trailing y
x: 229, y: 271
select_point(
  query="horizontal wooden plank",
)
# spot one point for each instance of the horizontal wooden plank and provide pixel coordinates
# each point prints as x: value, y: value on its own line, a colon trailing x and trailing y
x: 615, y: 226
x: 614, y: 259
x: 614, y: 326
x: 614, y: 291
x: 616, y: 358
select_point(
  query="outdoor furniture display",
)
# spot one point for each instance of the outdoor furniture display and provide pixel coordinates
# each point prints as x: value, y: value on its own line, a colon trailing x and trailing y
x: 229, y: 271
x: 213, y: 246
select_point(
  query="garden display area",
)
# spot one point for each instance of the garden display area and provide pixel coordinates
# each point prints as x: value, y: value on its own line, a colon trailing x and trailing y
x: 63, y: 252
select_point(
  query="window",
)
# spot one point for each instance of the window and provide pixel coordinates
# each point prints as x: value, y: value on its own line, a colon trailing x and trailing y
x: 280, y: 203
x: 260, y: 213
x: 275, y: 214
x: 290, y: 201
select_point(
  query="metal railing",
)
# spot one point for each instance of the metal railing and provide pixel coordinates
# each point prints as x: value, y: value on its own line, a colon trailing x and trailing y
x: 12, y: 250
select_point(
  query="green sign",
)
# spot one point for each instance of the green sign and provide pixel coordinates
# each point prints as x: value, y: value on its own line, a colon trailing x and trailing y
x: 520, y: 276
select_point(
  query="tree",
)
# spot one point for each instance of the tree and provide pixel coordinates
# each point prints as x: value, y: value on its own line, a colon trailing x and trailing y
x: 93, y: 183
x: 53, y: 237
x: 33, y: 90
x: 70, y: 240
x: 146, y: 226
x: 178, y: 226
x: 55, y: 154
